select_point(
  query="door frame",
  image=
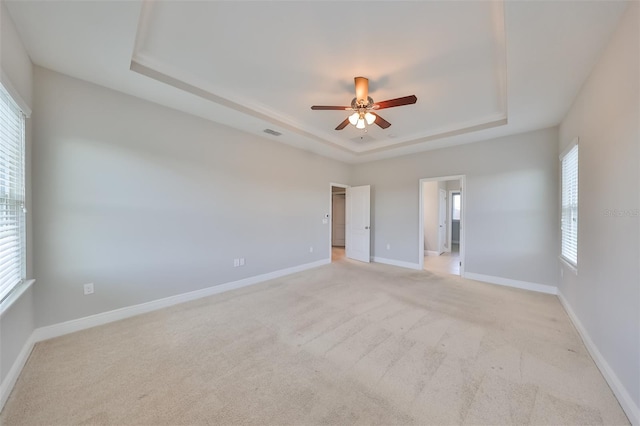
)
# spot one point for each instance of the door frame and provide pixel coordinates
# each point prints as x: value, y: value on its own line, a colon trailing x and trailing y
x: 463, y: 192
x: 330, y: 214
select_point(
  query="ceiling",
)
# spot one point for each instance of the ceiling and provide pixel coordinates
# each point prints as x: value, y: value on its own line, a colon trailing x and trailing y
x: 480, y: 69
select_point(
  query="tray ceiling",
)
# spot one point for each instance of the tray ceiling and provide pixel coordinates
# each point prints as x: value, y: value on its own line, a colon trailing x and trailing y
x: 479, y: 69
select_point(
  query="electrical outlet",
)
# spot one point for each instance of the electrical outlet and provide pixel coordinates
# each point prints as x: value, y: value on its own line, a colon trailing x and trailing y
x: 88, y: 289
x: 388, y: 246
x: 236, y: 263
x: 311, y: 249
x: 242, y: 261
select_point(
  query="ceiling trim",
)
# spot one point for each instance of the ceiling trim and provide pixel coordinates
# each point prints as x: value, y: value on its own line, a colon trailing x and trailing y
x: 141, y: 66
x: 162, y: 72
x: 448, y: 134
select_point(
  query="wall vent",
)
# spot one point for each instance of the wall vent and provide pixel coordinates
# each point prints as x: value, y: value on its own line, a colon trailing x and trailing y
x: 272, y: 132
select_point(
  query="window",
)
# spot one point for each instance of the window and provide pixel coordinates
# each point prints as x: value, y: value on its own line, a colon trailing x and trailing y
x: 455, y: 209
x: 12, y: 210
x: 569, y: 250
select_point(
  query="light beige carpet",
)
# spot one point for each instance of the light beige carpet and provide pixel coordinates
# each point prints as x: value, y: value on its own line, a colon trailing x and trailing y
x: 345, y: 343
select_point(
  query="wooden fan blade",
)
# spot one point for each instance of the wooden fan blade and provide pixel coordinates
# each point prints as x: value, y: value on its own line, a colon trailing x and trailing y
x: 406, y: 100
x: 330, y: 108
x: 362, y: 89
x: 381, y: 121
x: 343, y: 124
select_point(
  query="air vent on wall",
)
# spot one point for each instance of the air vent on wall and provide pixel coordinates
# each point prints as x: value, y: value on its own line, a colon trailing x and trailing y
x: 272, y: 132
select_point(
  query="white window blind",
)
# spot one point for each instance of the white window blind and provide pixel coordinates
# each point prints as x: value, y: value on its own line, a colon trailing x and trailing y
x: 570, y: 206
x: 12, y: 194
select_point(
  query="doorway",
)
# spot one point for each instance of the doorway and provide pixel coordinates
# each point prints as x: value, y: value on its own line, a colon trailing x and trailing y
x: 454, y: 206
x: 338, y: 221
x: 350, y: 222
x: 441, y: 237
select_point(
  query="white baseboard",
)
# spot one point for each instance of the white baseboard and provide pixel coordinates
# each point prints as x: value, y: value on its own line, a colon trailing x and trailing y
x: 630, y: 408
x: 540, y: 288
x: 55, y: 330
x: 399, y: 263
x: 12, y: 376
x: 431, y: 253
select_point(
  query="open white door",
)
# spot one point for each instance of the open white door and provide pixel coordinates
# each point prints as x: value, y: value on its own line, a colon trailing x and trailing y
x: 358, y: 212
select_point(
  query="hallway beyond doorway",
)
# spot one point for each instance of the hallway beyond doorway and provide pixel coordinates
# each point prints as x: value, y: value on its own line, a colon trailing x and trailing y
x: 441, y: 239
x: 446, y: 263
x: 337, y: 253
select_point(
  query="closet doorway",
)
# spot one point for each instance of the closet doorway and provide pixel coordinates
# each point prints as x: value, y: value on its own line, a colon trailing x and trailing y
x: 338, y: 221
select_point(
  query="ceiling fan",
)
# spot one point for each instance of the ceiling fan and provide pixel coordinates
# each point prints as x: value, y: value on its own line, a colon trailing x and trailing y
x: 363, y: 107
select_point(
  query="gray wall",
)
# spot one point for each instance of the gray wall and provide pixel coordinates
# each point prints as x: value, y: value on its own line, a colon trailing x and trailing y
x: 605, y: 293
x: 17, y: 322
x: 16, y: 325
x: 147, y: 202
x: 511, y: 204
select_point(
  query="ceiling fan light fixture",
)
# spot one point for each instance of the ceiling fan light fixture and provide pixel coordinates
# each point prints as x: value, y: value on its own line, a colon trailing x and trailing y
x: 370, y: 118
x: 353, y: 118
x: 360, y: 124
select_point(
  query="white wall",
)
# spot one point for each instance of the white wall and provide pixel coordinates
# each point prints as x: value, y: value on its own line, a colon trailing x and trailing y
x: 511, y: 204
x: 605, y: 294
x: 147, y: 202
x: 17, y: 322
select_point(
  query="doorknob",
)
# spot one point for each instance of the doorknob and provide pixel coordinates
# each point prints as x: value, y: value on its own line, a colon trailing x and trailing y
x: 366, y: 227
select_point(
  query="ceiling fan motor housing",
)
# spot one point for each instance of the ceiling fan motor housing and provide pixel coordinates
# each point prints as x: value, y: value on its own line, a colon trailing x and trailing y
x: 357, y: 105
